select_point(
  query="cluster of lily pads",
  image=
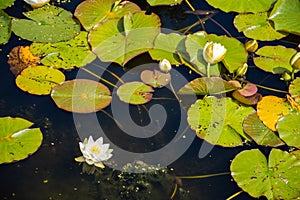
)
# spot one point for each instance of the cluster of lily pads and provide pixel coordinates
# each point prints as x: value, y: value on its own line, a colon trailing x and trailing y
x: 230, y: 111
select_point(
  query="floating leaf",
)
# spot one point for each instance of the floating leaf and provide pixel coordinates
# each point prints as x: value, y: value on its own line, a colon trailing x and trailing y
x: 156, y: 79
x: 119, y: 40
x: 135, y: 93
x: 270, y: 109
x: 259, y: 132
x: 39, y: 80
x: 81, y: 96
x: 243, y: 6
x: 288, y: 128
x: 207, y: 86
x: 286, y: 15
x: 294, y: 89
x: 66, y: 55
x: 17, y: 140
x: 163, y: 2
x: 92, y: 12
x: 6, y: 3
x: 250, y: 100
x: 218, y: 121
x: 166, y: 47
x: 275, y: 59
x: 257, y: 26
x: 277, y: 178
x: 5, y: 24
x: 46, y: 24
x: 20, y: 57
x: 248, y: 90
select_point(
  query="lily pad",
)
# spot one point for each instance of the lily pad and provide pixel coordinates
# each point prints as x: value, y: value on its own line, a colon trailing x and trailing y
x: 288, y: 128
x: 219, y: 121
x: 207, y: 86
x: 46, y: 24
x: 275, y: 59
x: 257, y: 26
x: 166, y: 46
x: 17, y: 140
x: 276, y: 178
x: 66, y: 55
x: 6, y: 3
x: 92, y: 12
x: 248, y: 90
x: 156, y: 79
x: 261, y: 134
x: 271, y: 108
x: 163, y: 2
x: 119, y: 40
x: 5, y: 24
x: 81, y: 96
x: 294, y: 90
x: 242, y: 6
x: 249, y: 100
x: 286, y: 15
x: 39, y: 80
x: 135, y: 93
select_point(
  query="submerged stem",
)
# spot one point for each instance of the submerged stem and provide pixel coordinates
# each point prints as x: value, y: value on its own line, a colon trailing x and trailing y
x: 234, y: 195
x: 203, y: 176
x: 190, y: 5
x: 102, y: 79
x: 174, y: 191
x: 111, y: 73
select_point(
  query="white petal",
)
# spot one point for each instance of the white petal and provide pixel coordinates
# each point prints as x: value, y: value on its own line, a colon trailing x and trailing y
x: 104, y: 148
x: 99, y: 141
x: 90, y: 162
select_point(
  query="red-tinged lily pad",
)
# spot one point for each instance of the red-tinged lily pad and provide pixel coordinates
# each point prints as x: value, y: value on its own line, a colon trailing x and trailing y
x: 135, y: 93
x: 17, y: 140
x: 81, y: 96
x: 250, y: 100
x: 261, y: 134
x: 156, y: 79
x: 248, y: 90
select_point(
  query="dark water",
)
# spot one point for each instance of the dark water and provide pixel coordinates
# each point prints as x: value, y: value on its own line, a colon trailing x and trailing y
x: 52, y: 173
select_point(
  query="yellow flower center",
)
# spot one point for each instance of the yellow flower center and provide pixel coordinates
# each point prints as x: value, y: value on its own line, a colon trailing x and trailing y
x: 95, y: 149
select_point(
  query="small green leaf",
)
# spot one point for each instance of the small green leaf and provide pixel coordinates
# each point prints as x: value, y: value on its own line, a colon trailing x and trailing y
x: 66, y: 55
x: 135, y: 93
x: 17, y: 141
x: 5, y: 25
x: 163, y: 2
x: 46, y: 24
x: 257, y: 26
x: 81, y: 96
x: 6, y: 3
x: 294, y: 89
x: 156, y: 79
x: 286, y: 15
x: 275, y: 59
x: 39, y: 80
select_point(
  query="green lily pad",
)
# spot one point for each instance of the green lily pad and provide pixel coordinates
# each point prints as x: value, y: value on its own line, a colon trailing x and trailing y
x: 39, y: 80
x: 219, y: 121
x: 257, y: 26
x: 165, y: 47
x: 46, y: 24
x: 66, y: 55
x: 92, y: 12
x: 288, y: 128
x: 135, y: 93
x: 156, y: 79
x: 81, y: 96
x: 6, y: 3
x: 17, y: 140
x: 286, y: 15
x: 261, y: 134
x: 163, y: 2
x: 294, y: 89
x: 119, y: 40
x: 242, y: 6
x: 5, y: 24
x: 275, y: 59
x: 207, y: 86
x: 277, y: 178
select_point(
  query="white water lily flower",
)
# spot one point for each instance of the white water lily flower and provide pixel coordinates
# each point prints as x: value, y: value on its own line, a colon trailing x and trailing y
x: 165, y: 65
x: 214, y: 52
x: 37, y: 3
x: 94, y: 152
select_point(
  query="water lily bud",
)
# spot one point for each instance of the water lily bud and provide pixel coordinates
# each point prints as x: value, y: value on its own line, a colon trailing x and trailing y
x: 286, y: 76
x: 37, y: 3
x: 214, y: 52
x: 165, y: 65
x: 241, y: 71
x: 295, y: 61
x: 251, y: 45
